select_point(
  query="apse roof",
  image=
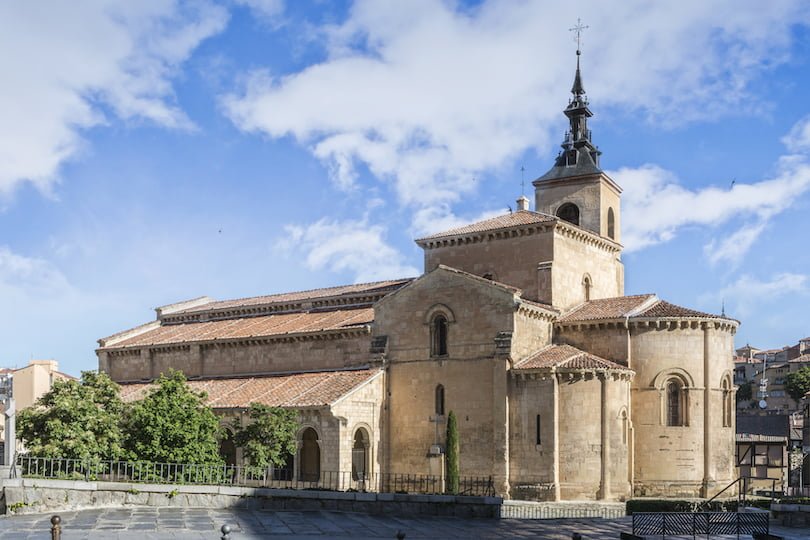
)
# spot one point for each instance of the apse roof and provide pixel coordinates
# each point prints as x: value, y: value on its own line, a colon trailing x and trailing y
x: 565, y: 356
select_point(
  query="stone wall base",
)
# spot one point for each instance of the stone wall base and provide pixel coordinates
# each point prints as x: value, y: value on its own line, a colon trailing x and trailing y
x: 34, y: 496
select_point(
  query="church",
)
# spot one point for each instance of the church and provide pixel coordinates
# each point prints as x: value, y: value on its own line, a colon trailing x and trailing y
x: 563, y: 387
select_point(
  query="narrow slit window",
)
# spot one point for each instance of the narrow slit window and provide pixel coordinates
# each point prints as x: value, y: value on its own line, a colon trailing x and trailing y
x: 537, y: 430
x: 439, y: 406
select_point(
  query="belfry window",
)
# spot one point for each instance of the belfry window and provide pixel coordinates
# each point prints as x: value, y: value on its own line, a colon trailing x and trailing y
x: 438, y: 330
x: 439, y: 401
x: 611, y: 224
x: 569, y: 212
x: 675, y: 403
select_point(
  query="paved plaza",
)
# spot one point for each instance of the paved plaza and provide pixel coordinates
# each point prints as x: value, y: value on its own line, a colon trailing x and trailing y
x: 164, y: 523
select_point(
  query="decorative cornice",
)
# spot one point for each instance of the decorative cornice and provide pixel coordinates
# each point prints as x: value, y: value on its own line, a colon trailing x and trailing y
x: 655, y: 323
x: 564, y: 374
x: 534, y: 311
x: 592, y: 239
x: 504, y: 233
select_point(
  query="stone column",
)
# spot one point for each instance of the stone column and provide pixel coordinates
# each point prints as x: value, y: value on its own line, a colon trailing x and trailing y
x: 708, y: 479
x: 500, y: 426
x: 555, y: 466
x: 604, y: 488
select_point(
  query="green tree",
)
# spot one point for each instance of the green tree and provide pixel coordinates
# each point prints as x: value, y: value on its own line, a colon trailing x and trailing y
x: 76, y: 419
x: 270, y: 436
x: 172, y: 424
x: 745, y: 392
x: 797, y: 384
x: 452, y: 454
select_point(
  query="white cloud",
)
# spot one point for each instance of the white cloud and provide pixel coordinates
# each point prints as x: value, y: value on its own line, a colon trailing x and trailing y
x: 427, y: 94
x: 655, y: 206
x: 748, y: 293
x: 346, y: 246
x: 69, y: 62
x: 30, y: 277
x: 267, y: 10
x: 798, y: 140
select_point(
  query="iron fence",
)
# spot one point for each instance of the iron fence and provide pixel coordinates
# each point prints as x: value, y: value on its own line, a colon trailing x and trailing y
x: 700, y: 523
x: 796, y: 491
x: 248, y: 476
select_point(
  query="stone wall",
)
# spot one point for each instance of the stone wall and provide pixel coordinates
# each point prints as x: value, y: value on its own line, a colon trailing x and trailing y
x: 474, y: 379
x: 362, y: 409
x: 574, y: 259
x: 239, y: 358
x: 35, y: 496
x: 676, y: 461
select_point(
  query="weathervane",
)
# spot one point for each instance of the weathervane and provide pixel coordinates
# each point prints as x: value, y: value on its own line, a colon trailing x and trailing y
x: 578, y: 29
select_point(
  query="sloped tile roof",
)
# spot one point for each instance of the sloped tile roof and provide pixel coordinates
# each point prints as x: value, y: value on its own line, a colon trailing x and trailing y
x: 295, y: 390
x: 664, y: 309
x: 642, y: 305
x: 250, y: 327
x: 606, y: 308
x: 521, y: 217
x: 800, y: 359
x: 566, y: 356
x: 298, y: 296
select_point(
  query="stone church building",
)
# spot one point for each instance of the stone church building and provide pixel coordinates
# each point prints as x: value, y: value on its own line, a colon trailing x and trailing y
x: 564, y: 388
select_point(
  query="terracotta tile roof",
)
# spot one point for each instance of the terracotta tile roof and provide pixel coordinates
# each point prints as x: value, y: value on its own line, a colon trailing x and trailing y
x: 298, y: 296
x: 800, y: 359
x: 249, y: 327
x: 607, y: 308
x: 521, y: 217
x: 297, y: 390
x: 642, y: 305
x: 566, y: 356
x: 664, y: 309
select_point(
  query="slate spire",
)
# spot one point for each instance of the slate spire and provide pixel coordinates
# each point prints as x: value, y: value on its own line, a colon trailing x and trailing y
x: 579, y: 155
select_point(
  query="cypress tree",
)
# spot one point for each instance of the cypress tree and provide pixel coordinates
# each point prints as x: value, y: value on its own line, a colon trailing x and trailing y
x: 452, y: 454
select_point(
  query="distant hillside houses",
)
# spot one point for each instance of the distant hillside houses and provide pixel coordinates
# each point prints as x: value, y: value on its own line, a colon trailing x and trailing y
x: 751, y: 365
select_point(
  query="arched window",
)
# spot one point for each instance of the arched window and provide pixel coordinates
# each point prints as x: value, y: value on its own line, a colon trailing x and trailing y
x: 728, y: 407
x: 360, y: 455
x: 569, y: 212
x: 611, y: 225
x: 675, y: 403
x: 439, y: 400
x: 438, y: 330
x: 586, y: 285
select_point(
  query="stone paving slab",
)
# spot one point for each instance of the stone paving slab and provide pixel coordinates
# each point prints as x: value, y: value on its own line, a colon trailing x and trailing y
x: 190, y: 523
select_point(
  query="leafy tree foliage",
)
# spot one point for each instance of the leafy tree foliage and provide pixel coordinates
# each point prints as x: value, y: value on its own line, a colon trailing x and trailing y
x: 172, y: 424
x: 798, y: 384
x: 75, y: 420
x: 452, y: 453
x: 745, y: 392
x: 270, y: 436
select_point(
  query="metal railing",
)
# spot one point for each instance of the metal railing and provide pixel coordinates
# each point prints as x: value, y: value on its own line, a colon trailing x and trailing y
x: 237, y: 475
x: 744, y: 484
x: 700, y: 523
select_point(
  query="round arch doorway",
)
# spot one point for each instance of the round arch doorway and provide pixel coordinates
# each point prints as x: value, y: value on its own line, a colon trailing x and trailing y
x: 310, y: 459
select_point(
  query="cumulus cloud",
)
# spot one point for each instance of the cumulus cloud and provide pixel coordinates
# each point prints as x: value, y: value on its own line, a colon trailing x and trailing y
x: 656, y: 206
x: 72, y: 63
x: 29, y: 276
x: 346, y: 246
x: 427, y: 94
x: 748, y: 293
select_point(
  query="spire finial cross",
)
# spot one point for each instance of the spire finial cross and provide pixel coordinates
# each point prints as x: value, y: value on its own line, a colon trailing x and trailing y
x: 579, y: 28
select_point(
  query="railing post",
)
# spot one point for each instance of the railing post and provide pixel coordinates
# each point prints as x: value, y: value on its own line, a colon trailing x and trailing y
x: 56, y: 528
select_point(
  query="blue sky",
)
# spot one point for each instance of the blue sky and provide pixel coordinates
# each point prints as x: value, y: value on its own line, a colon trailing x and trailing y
x: 156, y: 151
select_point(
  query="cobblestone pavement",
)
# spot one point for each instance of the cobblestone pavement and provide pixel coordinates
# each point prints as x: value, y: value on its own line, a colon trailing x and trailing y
x: 163, y: 523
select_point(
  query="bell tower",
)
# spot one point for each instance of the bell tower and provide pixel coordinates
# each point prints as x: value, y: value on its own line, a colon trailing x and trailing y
x: 576, y: 189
